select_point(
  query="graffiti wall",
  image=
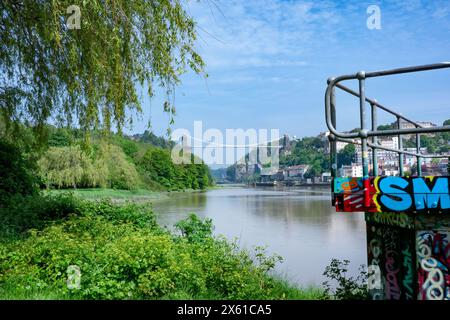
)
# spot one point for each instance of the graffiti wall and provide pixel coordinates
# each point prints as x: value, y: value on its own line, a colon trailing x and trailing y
x: 433, y: 264
x: 392, y: 194
x: 408, y: 256
x: 391, y: 268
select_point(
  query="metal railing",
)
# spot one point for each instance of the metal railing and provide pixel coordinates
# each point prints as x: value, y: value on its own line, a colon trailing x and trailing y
x: 364, y: 133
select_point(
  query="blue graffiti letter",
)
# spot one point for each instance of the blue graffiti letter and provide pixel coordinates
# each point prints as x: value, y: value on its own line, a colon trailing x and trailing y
x: 393, y: 187
x: 426, y: 198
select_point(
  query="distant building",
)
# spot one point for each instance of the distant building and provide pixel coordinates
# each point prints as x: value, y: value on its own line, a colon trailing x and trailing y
x: 425, y: 124
x: 393, y: 171
x: 326, y: 177
x: 353, y: 170
x: 295, y: 172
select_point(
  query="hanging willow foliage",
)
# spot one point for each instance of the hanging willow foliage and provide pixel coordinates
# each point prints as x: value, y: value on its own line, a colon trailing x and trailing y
x: 90, y: 75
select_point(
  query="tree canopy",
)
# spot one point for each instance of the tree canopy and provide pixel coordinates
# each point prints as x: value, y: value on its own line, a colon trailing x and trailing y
x: 91, y: 75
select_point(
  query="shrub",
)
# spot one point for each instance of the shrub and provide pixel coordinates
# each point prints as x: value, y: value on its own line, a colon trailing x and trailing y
x: 348, y: 288
x: 195, y: 229
x: 123, y: 254
x: 16, y: 176
x: 38, y: 211
x: 26, y: 212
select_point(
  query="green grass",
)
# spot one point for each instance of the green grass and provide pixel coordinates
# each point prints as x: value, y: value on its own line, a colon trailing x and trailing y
x: 137, y: 196
x: 281, y: 288
x: 11, y: 292
x: 140, y: 195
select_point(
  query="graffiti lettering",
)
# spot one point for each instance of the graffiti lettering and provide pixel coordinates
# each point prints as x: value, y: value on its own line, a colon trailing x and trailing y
x: 393, y: 194
x: 426, y: 198
x: 392, y: 287
x: 433, y: 261
x: 401, y: 220
x: 374, y: 271
x: 408, y: 278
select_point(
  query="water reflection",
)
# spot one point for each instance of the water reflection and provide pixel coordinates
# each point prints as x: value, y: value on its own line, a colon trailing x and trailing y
x: 299, y: 224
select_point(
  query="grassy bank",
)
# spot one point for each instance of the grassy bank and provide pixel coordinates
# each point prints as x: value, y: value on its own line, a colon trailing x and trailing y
x: 115, y: 195
x: 140, y: 195
x: 122, y: 253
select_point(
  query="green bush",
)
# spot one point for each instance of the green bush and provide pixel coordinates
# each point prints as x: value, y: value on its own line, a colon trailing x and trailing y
x: 123, y: 254
x: 23, y: 213
x: 35, y: 211
x: 16, y: 176
x: 347, y: 288
x: 195, y: 229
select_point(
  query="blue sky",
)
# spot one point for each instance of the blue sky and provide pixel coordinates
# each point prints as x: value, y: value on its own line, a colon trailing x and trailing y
x: 268, y: 62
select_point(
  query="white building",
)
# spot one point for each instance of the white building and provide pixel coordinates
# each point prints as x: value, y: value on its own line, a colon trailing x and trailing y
x: 295, y: 172
x: 354, y: 170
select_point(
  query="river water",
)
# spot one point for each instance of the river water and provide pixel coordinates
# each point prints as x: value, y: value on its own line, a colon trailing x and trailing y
x: 297, y: 223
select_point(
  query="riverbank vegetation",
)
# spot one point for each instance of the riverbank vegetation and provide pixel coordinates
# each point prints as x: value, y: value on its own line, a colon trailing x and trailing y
x: 119, y: 250
x: 110, y: 161
x: 122, y: 253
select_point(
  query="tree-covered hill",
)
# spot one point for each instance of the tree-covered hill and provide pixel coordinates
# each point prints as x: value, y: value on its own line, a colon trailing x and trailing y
x: 111, y: 161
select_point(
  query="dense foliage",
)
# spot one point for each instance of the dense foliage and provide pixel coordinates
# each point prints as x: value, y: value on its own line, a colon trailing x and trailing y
x: 115, y: 162
x: 16, y: 176
x: 345, y: 287
x: 123, y: 254
x: 436, y: 143
x: 347, y: 155
x: 89, y: 73
x: 159, y: 167
x: 310, y: 151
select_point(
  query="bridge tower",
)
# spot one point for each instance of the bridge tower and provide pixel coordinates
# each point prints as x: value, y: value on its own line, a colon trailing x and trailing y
x: 407, y: 217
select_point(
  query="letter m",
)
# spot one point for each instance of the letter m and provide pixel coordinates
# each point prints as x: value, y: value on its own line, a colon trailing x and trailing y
x: 427, y: 199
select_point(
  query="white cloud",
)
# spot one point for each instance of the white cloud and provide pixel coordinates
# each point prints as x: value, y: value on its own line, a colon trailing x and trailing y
x: 262, y: 33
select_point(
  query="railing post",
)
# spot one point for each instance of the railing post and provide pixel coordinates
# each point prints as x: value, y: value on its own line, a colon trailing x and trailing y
x: 333, y: 148
x: 374, y: 140
x: 419, y: 159
x: 400, y: 147
x: 363, y: 134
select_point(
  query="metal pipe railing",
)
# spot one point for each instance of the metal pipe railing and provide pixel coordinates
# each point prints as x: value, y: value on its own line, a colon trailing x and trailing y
x: 378, y: 105
x: 379, y: 147
x: 334, y: 82
x: 374, y: 140
x: 364, y: 134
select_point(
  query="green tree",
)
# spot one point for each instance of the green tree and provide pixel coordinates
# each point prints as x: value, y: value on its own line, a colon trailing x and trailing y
x: 60, y: 138
x: 16, y: 175
x: 121, y: 173
x: 91, y: 73
x: 347, y: 155
x: 68, y: 167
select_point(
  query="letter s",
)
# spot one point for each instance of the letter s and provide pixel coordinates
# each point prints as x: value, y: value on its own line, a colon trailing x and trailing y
x: 392, y: 186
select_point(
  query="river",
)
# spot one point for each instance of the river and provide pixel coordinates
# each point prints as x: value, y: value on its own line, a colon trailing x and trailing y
x: 297, y: 223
